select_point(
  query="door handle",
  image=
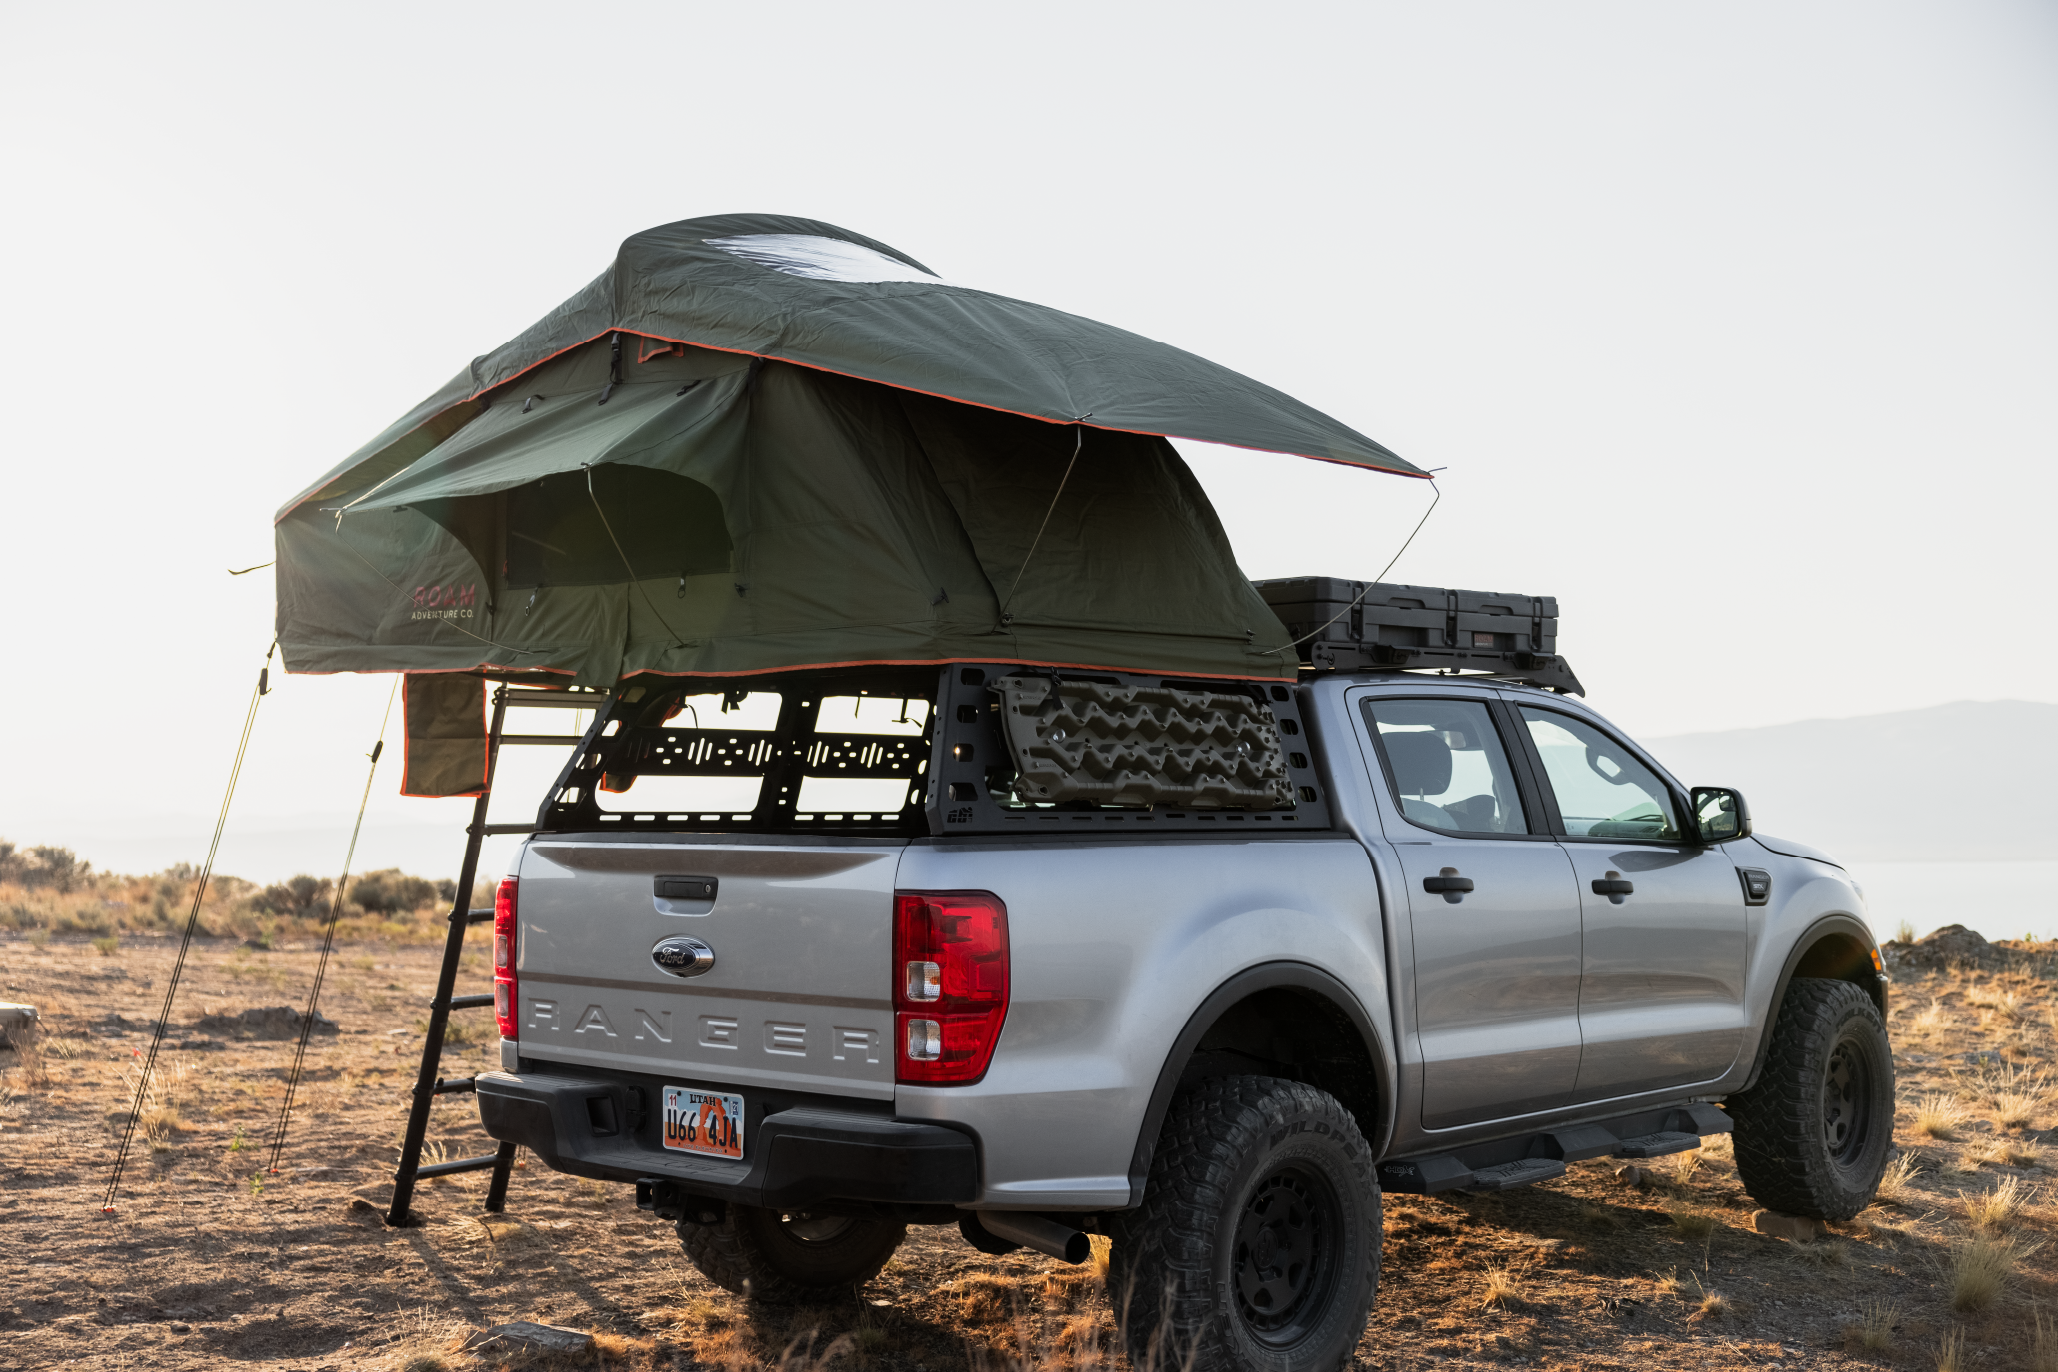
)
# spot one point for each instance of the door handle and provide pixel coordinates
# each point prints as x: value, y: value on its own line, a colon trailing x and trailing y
x: 1613, y: 887
x: 1449, y: 885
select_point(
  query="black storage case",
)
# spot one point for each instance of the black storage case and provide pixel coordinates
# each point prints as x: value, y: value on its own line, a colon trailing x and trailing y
x: 1351, y: 626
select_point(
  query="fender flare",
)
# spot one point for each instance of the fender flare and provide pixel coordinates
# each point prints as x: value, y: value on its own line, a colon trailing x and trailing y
x: 1827, y: 926
x: 1267, y: 976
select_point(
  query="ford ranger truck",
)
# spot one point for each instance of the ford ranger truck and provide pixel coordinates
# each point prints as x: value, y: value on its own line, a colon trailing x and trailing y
x: 1469, y: 934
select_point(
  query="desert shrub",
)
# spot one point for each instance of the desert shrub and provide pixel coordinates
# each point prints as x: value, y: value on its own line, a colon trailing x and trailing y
x: 393, y: 892
x: 43, y: 866
x: 300, y: 897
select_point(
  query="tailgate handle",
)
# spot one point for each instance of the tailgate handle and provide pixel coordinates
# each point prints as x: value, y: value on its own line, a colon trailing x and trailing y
x: 685, y: 888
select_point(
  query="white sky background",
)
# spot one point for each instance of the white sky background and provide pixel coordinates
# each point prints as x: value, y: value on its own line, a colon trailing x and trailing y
x: 1735, y: 326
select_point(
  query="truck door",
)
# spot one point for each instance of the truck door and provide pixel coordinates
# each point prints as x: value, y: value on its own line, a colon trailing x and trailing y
x: 1493, y: 913
x: 1661, y: 998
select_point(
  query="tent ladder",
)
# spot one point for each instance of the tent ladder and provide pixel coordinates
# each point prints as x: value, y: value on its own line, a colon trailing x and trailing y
x: 429, y: 1084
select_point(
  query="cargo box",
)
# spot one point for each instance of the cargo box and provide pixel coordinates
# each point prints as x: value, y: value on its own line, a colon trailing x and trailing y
x: 1344, y: 625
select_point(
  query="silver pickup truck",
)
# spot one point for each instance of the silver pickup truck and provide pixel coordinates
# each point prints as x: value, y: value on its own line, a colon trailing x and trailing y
x: 1474, y: 935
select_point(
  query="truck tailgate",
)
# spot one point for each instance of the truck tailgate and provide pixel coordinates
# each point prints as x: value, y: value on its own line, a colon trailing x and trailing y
x: 801, y: 932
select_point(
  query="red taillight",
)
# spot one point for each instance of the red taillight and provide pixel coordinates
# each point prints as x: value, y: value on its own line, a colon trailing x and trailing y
x: 506, y: 1003
x: 950, y: 983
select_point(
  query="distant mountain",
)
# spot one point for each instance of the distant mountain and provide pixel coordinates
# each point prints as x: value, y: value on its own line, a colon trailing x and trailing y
x: 1971, y: 781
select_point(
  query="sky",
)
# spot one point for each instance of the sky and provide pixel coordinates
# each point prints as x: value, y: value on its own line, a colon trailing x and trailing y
x: 1734, y: 327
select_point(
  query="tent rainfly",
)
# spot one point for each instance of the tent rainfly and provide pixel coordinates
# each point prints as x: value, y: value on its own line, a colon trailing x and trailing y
x: 757, y: 444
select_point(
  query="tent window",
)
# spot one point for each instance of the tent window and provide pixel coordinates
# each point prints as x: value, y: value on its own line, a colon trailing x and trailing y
x: 668, y: 526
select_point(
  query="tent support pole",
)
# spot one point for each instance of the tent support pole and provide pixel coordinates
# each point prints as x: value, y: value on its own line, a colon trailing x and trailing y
x: 425, y: 1084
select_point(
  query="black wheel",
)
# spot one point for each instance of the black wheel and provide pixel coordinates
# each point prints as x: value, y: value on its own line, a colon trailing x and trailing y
x: 1256, y: 1248
x: 1814, y: 1134
x: 790, y: 1257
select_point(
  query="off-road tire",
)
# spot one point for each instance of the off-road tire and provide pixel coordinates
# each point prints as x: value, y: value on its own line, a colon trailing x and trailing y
x: 768, y: 1256
x: 1250, y: 1173
x: 1814, y: 1134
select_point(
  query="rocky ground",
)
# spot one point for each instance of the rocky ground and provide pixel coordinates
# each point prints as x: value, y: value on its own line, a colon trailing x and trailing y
x: 212, y: 1261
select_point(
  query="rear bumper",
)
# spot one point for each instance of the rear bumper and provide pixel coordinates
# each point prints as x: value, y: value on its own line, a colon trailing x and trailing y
x: 794, y: 1156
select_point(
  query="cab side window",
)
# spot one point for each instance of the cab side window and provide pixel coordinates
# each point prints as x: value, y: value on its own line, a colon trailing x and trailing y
x: 1602, y: 791
x: 1445, y: 762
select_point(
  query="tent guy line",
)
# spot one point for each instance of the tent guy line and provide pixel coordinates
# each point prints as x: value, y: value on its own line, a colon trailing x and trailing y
x: 1078, y: 441
x: 171, y: 990
x: 321, y: 966
x: 1359, y: 598
x: 634, y: 580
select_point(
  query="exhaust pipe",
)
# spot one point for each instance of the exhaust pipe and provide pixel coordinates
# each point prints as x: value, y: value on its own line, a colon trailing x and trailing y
x: 1061, y: 1241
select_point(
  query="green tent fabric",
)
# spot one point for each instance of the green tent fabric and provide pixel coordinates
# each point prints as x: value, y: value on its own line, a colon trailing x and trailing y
x: 445, y: 736
x: 801, y: 451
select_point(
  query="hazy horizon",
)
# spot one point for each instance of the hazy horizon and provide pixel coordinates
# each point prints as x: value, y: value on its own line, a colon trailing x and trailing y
x: 1799, y: 779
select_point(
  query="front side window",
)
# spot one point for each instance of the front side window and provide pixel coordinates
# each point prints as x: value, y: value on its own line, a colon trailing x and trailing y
x: 1447, y: 765
x: 1602, y: 791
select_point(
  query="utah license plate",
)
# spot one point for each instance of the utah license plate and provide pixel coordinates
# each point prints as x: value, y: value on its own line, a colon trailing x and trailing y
x: 709, y: 1122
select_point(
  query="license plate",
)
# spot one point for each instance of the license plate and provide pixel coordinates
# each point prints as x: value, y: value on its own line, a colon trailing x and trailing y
x: 708, y: 1122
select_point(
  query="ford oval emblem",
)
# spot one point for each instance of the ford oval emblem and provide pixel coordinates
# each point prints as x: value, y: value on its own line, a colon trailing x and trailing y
x: 682, y: 956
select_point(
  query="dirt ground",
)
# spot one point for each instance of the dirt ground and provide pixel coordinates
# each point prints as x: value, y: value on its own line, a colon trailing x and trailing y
x: 211, y: 1262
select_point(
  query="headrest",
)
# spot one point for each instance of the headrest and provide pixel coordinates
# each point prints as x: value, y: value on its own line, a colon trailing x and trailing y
x: 1421, y: 762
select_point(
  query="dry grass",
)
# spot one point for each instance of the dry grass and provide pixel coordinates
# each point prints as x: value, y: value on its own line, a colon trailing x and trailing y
x: 159, y: 1116
x: 1940, y: 1116
x: 1894, y: 1183
x: 984, y: 1299
x: 1875, y: 1328
x: 1951, y: 1352
x: 1998, y: 1001
x: 1501, y: 1288
x: 1712, y: 1305
x: 1828, y: 1252
x: 1998, y: 1210
x: 1980, y: 1270
x: 463, y: 1029
x: 2043, y: 1348
x: 1680, y: 1167
x: 2019, y: 1108
x: 1576, y: 1256
x: 1690, y: 1221
x: 1977, y: 1154
x: 29, y: 1046
x: 1929, y: 1019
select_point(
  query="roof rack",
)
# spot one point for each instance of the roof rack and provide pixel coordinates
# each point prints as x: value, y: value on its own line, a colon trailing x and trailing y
x: 1357, y: 626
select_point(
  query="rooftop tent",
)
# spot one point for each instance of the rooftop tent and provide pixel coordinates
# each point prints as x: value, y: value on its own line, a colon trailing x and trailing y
x: 759, y: 443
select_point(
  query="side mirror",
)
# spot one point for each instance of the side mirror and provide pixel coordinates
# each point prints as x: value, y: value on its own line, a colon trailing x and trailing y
x: 1720, y: 814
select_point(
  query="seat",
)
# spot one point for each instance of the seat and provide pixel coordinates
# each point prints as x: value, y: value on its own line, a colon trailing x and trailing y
x: 1421, y: 762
